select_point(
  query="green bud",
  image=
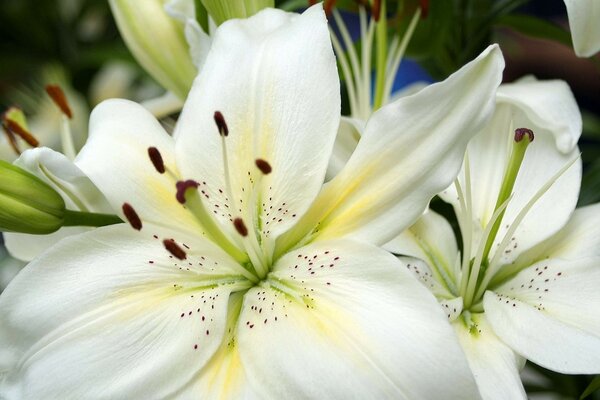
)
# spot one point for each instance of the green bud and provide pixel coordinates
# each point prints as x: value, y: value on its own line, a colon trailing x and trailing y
x: 222, y: 10
x: 27, y: 204
x: 157, y: 42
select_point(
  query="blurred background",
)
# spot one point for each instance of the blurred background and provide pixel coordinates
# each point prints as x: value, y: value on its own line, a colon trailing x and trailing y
x: 76, y: 44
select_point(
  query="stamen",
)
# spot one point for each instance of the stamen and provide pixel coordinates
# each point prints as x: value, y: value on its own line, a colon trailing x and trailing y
x: 58, y: 96
x: 240, y: 227
x: 221, y: 124
x: 16, y: 128
x: 174, y: 249
x: 11, y: 139
x: 156, y: 159
x: 182, y: 187
x: 132, y: 217
x: 376, y: 10
x: 328, y: 6
x: 264, y: 166
x: 424, y: 8
x: 520, y: 133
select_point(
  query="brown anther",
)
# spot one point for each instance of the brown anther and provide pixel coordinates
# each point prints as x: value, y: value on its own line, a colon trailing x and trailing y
x: 521, y: 132
x: 221, y: 124
x: 132, y: 217
x: 376, y: 10
x: 424, y: 8
x: 156, y: 159
x: 58, y: 96
x: 240, y: 227
x: 12, y: 140
x: 182, y: 187
x: 264, y: 166
x: 174, y: 249
x: 16, y: 128
x: 328, y: 6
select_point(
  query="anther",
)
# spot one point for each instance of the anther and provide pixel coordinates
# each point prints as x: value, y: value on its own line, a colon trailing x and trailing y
x: 174, y: 249
x: 328, y: 6
x: 58, y: 96
x: 156, y: 159
x: 521, y: 132
x: 132, y: 217
x: 264, y: 166
x: 13, y: 122
x: 240, y: 227
x: 221, y: 124
x: 11, y: 139
x: 182, y: 187
x: 424, y: 8
x: 376, y: 10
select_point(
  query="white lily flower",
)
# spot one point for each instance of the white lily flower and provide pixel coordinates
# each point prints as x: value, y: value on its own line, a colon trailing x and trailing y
x: 534, y: 294
x: 584, y: 17
x: 245, y: 279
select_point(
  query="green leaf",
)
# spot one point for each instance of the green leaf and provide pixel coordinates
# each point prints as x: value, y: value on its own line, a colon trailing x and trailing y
x: 535, y: 27
x: 594, y: 386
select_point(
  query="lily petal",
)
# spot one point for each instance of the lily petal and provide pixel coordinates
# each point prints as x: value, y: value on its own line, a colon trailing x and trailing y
x: 77, y: 190
x: 346, y: 141
x: 342, y: 319
x: 116, y: 159
x: 542, y: 106
x: 548, y: 313
x: 410, y: 150
x: 580, y: 238
x: 198, y: 40
x: 495, y: 365
x: 431, y: 239
x: 585, y: 30
x: 127, y: 320
x: 281, y: 105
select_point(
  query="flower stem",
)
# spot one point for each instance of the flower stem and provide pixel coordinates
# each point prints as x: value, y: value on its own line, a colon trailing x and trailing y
x: 83, y: 218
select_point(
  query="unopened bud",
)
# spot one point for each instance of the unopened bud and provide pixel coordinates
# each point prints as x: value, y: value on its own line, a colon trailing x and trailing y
x: 157, y: 42
x: 27, y: 204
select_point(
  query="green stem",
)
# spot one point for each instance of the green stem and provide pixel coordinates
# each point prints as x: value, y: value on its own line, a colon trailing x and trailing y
x: 381, y: 38
x: 83, y: 218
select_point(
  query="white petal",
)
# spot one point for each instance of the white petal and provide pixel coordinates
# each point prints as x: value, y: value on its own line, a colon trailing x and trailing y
x: 109, y: 314
x: 549, y: 105
x: 198, y: 40
x: 273, y: 77
x: 27, y: 247
x: 116, y: 159
x: 585, y: 30
x: 9, y: 267
x: 431, y: 239
x: 431, y: 279
x: 550, y: 313
x: 342, y: 319
x: 410, y: 150
x: 580, y: 238
x: 70, y: 182
x: 347, y: 138
x: 550, y: 110
x: 494, y: 365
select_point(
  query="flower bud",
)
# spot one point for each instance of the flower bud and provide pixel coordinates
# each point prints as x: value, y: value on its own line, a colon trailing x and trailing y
x: 157, y: 42
x: 27, y: 204
x: 222, y: 10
